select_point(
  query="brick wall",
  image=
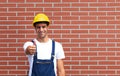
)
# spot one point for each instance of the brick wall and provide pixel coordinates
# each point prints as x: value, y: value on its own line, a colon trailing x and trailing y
x: 88, y: 29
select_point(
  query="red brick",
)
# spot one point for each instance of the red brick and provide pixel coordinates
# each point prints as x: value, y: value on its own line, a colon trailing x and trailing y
x: 16, y: 18
x: 33, y: 1
x: 62, y: 4
x: 106, y: 18
x: 8, y: 22
x: 98, y: 67
x: 16, y: 63
x: 106, y: 27
x: 98, y: 4
x: 98, y: 13
x: 34, y: 9
x: 8, y: 5
x: 113, y: 13
x: 97, y: 22
x: 61, y: 22
x: 25, y: 31
x: 97, y: 40
x: 72, y: 54
x: 106, y: 44
x: 70, y: 1
x: 88, y: 18
x: 16, y: 36
x: 113, y: 4
x: 106, y: 36
x: 3, y: 54
x: 79, y: 13
x: 88, y: 9
x: 52, y: 9
x: 25, y: 5
x: 79, y: 22
x: 88, y: 72
x: 23, y: 67
x: 97, y: 49
x: 70, y: 18
x: 3, y: 63
x: 7, y: 67
x: 107, y: 72
x: 16, y: 1
x: 88, y: 63
x: 88, y: 54
x: 3, y: 9
x: 16, y: 9
x: 16, y: 27
x: 88, y: 45
x: 98, y: 31
x: 3, y: 72
x: 61, y: 14
x: 3, y: 36
x: 3, y: 0
x: 17, y: 54
x: 7, y: 58
x: 79, y: 67
x: 79, y: 40
x: 97, y: 58
x: 106, y: 63
x: 106, y: 0
x: 3, y: 18
x: 71, y: 45
x: 7, y: 49
x: 52, y: 1
x: 16, y: 72
x: 25, y: 14
x: 87, y: 29
x: 79, y: 4
x: 7, y: 40
x: 106, y: 54
x: 3, y: 45
x: 69, y: 9
x: 79, y: 58
x: 69, y: 62
x: 88, y: 36
x: 70, y: 36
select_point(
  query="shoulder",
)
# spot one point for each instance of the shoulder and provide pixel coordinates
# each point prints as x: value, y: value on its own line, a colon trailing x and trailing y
x: 58, y: 44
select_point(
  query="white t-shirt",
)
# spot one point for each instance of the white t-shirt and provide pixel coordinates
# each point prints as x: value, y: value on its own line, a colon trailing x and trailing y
x: 44, y: 52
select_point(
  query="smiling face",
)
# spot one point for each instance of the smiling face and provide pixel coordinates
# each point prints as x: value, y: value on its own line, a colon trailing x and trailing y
x: 41, y: 30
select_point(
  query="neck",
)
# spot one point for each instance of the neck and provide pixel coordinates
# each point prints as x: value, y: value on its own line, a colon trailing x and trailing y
x: 43, y: 39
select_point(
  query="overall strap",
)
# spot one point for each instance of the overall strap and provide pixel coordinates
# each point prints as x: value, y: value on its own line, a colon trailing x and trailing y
x: 35, y: 45
x: 53, y: 50
x: 33, y: 42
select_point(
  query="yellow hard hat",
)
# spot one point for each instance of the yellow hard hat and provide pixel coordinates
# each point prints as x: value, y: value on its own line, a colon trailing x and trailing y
x: 41, y: 18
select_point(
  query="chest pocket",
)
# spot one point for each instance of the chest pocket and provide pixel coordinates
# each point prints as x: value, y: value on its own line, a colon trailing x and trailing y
x: 44, y: 67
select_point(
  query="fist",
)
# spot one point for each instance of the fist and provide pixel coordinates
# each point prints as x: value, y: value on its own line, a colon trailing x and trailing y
x: 31, y: 50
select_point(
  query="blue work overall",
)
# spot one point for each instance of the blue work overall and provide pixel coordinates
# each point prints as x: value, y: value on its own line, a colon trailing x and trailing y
x: 44, y: 67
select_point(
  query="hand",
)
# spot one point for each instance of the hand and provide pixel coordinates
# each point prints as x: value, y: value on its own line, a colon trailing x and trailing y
x: 31, y: 50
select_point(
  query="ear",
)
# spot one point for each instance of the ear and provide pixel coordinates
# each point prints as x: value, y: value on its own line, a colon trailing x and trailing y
x: 35, y: 29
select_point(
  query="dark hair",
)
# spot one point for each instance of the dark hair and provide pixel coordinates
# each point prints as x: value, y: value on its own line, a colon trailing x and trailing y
x: 45, y: 22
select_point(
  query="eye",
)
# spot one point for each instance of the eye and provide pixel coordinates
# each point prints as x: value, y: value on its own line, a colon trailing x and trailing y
x: 38, y: 27
x: 43, y: 26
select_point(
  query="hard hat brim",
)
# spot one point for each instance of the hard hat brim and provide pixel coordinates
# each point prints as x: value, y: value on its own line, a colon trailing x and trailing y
x: 40, y: 22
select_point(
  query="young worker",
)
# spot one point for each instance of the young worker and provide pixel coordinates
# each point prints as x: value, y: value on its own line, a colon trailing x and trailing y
x: 44, y: 54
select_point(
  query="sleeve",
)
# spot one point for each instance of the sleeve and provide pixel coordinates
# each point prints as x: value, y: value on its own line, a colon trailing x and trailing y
x: 26, y: 45
x: 59, y: 51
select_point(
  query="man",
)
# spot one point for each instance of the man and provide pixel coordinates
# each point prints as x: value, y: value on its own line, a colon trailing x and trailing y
x: 44, y: 54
